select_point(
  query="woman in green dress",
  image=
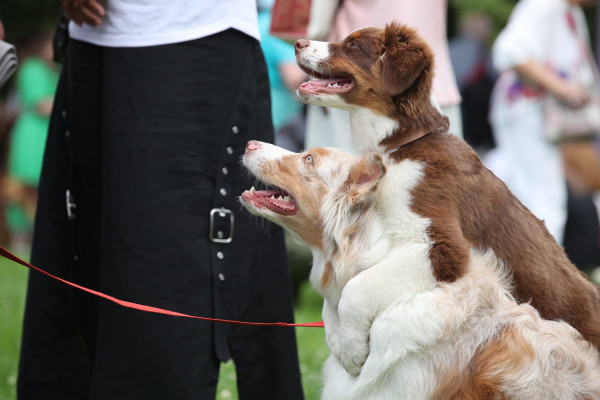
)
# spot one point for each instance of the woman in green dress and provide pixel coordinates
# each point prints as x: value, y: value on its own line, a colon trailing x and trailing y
x: 36, y: 83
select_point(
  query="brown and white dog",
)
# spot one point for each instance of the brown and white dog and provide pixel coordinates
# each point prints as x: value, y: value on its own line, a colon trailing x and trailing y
x: 383, y: 77
x: 395, y: 327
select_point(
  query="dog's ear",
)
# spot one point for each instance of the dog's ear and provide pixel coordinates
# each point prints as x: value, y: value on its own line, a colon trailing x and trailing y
x: 405, y: 57
x: 364, y: 177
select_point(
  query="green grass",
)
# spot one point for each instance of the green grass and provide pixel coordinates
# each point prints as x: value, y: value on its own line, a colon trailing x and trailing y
x: 312, y: 350
x: 13, y: 279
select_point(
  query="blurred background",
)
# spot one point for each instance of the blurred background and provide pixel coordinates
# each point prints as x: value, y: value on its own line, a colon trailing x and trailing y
x: 25, y: 103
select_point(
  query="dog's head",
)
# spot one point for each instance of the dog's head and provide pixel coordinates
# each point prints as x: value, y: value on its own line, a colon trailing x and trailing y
x: 327, y: 197
x: 388, y: 72
x: 299, y: 182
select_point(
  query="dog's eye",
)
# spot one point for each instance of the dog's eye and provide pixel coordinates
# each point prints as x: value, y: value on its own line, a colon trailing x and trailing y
x: 308, y: 159
x: 354, y: 45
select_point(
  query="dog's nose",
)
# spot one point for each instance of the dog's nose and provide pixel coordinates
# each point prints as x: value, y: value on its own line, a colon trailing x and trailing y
x: 252, y: 145
x: 302, y: 43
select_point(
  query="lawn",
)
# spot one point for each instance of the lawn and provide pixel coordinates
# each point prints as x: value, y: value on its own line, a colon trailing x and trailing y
x: 312, y: 350
x: 13, y: 279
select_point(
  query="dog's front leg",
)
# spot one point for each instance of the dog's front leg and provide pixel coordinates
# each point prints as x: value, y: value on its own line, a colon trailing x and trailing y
x: 332, y: 328
x: 364, y: 297
x: 353, y: 336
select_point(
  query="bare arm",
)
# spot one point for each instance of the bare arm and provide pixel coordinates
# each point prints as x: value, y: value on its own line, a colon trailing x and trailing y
x: 567, y: 92
x: 44, y: 107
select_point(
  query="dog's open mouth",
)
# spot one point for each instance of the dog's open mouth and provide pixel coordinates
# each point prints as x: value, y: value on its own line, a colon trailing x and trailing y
x: 276, y: 200
x: 322, y: 84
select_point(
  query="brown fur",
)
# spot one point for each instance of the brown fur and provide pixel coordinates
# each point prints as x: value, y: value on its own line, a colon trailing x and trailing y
x: 404, y: 54
x: 364, y: 177
x: 327, y: 276
x: 506, y: 354
x: 509, y: 353
x: 309, y: 232
x: 467, y: 204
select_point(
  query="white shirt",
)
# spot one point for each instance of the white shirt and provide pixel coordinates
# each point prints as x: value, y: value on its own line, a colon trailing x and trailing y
x: 140, y: 23
x: 540, y: 30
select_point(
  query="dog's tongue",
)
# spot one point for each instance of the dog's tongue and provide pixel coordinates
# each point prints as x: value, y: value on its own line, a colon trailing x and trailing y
x: 326, y: 85
x: 276, y: 201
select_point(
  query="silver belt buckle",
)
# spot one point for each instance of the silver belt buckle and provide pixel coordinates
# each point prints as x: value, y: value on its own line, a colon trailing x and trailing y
x: 219, y: 237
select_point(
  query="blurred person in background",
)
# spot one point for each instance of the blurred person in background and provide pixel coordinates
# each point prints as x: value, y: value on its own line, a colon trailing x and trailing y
x: 329, y: 127
x: 475, y: 75
x: 7, y: 119
x: 137, y: 199
x: 542, y: 51
x: 36, y: 81
x: 284, y: 78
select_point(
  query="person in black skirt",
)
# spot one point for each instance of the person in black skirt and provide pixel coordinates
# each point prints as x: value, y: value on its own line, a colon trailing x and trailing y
x: 138, y: 199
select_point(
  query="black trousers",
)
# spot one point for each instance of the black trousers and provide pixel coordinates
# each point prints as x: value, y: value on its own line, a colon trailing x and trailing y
x: 148, y: 142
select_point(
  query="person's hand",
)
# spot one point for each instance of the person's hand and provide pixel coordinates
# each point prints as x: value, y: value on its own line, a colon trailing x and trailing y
x: 84, y: 11
x: 1, y: 31
x: 573, y: 95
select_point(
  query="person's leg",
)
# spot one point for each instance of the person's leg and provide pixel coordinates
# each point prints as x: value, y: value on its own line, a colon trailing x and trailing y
x: 59, y: 321
x: 582, y: 234
x: 161, y: 128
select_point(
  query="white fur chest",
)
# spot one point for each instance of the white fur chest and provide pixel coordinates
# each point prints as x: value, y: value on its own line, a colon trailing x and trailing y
x: 396, y: 201
x: 368, y: 129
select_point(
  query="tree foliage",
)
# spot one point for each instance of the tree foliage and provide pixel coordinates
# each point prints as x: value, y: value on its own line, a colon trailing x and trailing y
x: 21, y: 17
x: 497, y: 10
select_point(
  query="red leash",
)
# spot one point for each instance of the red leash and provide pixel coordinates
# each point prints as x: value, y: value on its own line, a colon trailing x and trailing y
x: 7, y: 254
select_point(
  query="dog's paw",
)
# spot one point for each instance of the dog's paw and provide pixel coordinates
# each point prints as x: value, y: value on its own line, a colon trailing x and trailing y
x: 353, y: 358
